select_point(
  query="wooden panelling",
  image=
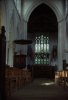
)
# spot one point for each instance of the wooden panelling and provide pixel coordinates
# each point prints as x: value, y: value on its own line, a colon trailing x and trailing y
x: 20, y: 61
x: 44, y: 71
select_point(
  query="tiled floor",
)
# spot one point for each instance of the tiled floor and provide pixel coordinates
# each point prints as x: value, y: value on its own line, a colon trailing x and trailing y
x: 40, y: 89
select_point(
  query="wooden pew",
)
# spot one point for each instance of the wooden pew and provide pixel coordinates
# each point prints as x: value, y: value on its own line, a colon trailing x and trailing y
x: 57, y: 76
x: 15, y: 79
x: 65, y: 78
x: 61, y: 77
x: 11, y: 80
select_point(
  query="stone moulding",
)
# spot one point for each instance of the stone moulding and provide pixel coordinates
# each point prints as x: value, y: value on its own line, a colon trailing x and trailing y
x: 47, y: 2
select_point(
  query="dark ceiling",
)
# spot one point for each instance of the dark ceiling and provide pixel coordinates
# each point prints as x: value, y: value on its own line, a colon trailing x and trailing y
x: 42, y: 19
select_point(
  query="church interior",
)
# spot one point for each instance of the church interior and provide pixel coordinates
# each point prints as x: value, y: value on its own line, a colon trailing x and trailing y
x: 34, y: 49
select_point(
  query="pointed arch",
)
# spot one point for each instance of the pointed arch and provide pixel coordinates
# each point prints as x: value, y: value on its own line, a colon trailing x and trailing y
x: 47, y: 2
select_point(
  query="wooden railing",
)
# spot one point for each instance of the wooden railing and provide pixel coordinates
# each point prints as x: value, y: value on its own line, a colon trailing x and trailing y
x: 61, y: 78
x: 15, y: 79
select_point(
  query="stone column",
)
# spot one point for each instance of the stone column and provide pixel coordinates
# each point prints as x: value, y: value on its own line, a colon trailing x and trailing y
x: 66, y: 39
x: 59, y: 46
x: 10, y: 50
x: 11, y: 56
x: 61, y: 43
x: 63, y: 39
x: 24, y: 36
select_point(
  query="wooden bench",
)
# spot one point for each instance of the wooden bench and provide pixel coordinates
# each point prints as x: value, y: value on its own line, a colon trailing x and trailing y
x: 15, y: 79
x: 57, y: 76
x: 61, y: 77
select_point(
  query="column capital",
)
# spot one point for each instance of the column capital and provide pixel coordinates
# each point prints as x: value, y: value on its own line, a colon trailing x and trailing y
x: 60, y: 21
x: 24, y: 20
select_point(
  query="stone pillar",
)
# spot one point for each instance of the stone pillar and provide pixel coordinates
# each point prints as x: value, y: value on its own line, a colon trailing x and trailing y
x: 63, y: 39
x: 59, y: 46
x: 67, y: 39
x: 11, y: 56
x: 24, y: 36
x: 10, y: 50
x: 61, y: 43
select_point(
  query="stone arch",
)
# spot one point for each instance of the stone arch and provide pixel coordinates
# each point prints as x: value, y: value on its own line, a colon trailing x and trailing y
x: 47, y: 2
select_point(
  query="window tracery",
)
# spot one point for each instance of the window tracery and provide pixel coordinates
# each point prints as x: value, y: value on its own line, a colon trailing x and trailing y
x: 42, y: 50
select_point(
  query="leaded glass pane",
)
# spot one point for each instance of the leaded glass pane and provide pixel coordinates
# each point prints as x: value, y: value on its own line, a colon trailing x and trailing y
x: 35, y: 62
x: 42, y: 50
x: 38, y: 48
x: 41, y: 41
x: 35, y: 48
x: 47, y: 41
x: 47, y: 48
x: 36, y: 37
x: 38, y: 62
x: 44, y: 37
x: 39, y: 37
x: 38, y: 59
x: 41, y: 62
x: 44, y: 62
x: 48, y: 61
x: 44, y: 59
x: 44, y: 41
x: 36, y: 41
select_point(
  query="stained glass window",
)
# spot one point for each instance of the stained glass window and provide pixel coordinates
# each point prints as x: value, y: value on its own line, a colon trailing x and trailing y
x: 42, y: 50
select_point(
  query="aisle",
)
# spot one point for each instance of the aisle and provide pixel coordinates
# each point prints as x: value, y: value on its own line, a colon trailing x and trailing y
x: 40, y: 89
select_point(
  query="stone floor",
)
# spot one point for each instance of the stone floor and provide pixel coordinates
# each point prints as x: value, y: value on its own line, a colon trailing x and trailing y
x: 40, y: 89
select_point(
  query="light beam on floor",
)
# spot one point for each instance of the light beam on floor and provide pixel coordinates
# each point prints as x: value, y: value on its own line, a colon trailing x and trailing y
x: 51, y: 83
